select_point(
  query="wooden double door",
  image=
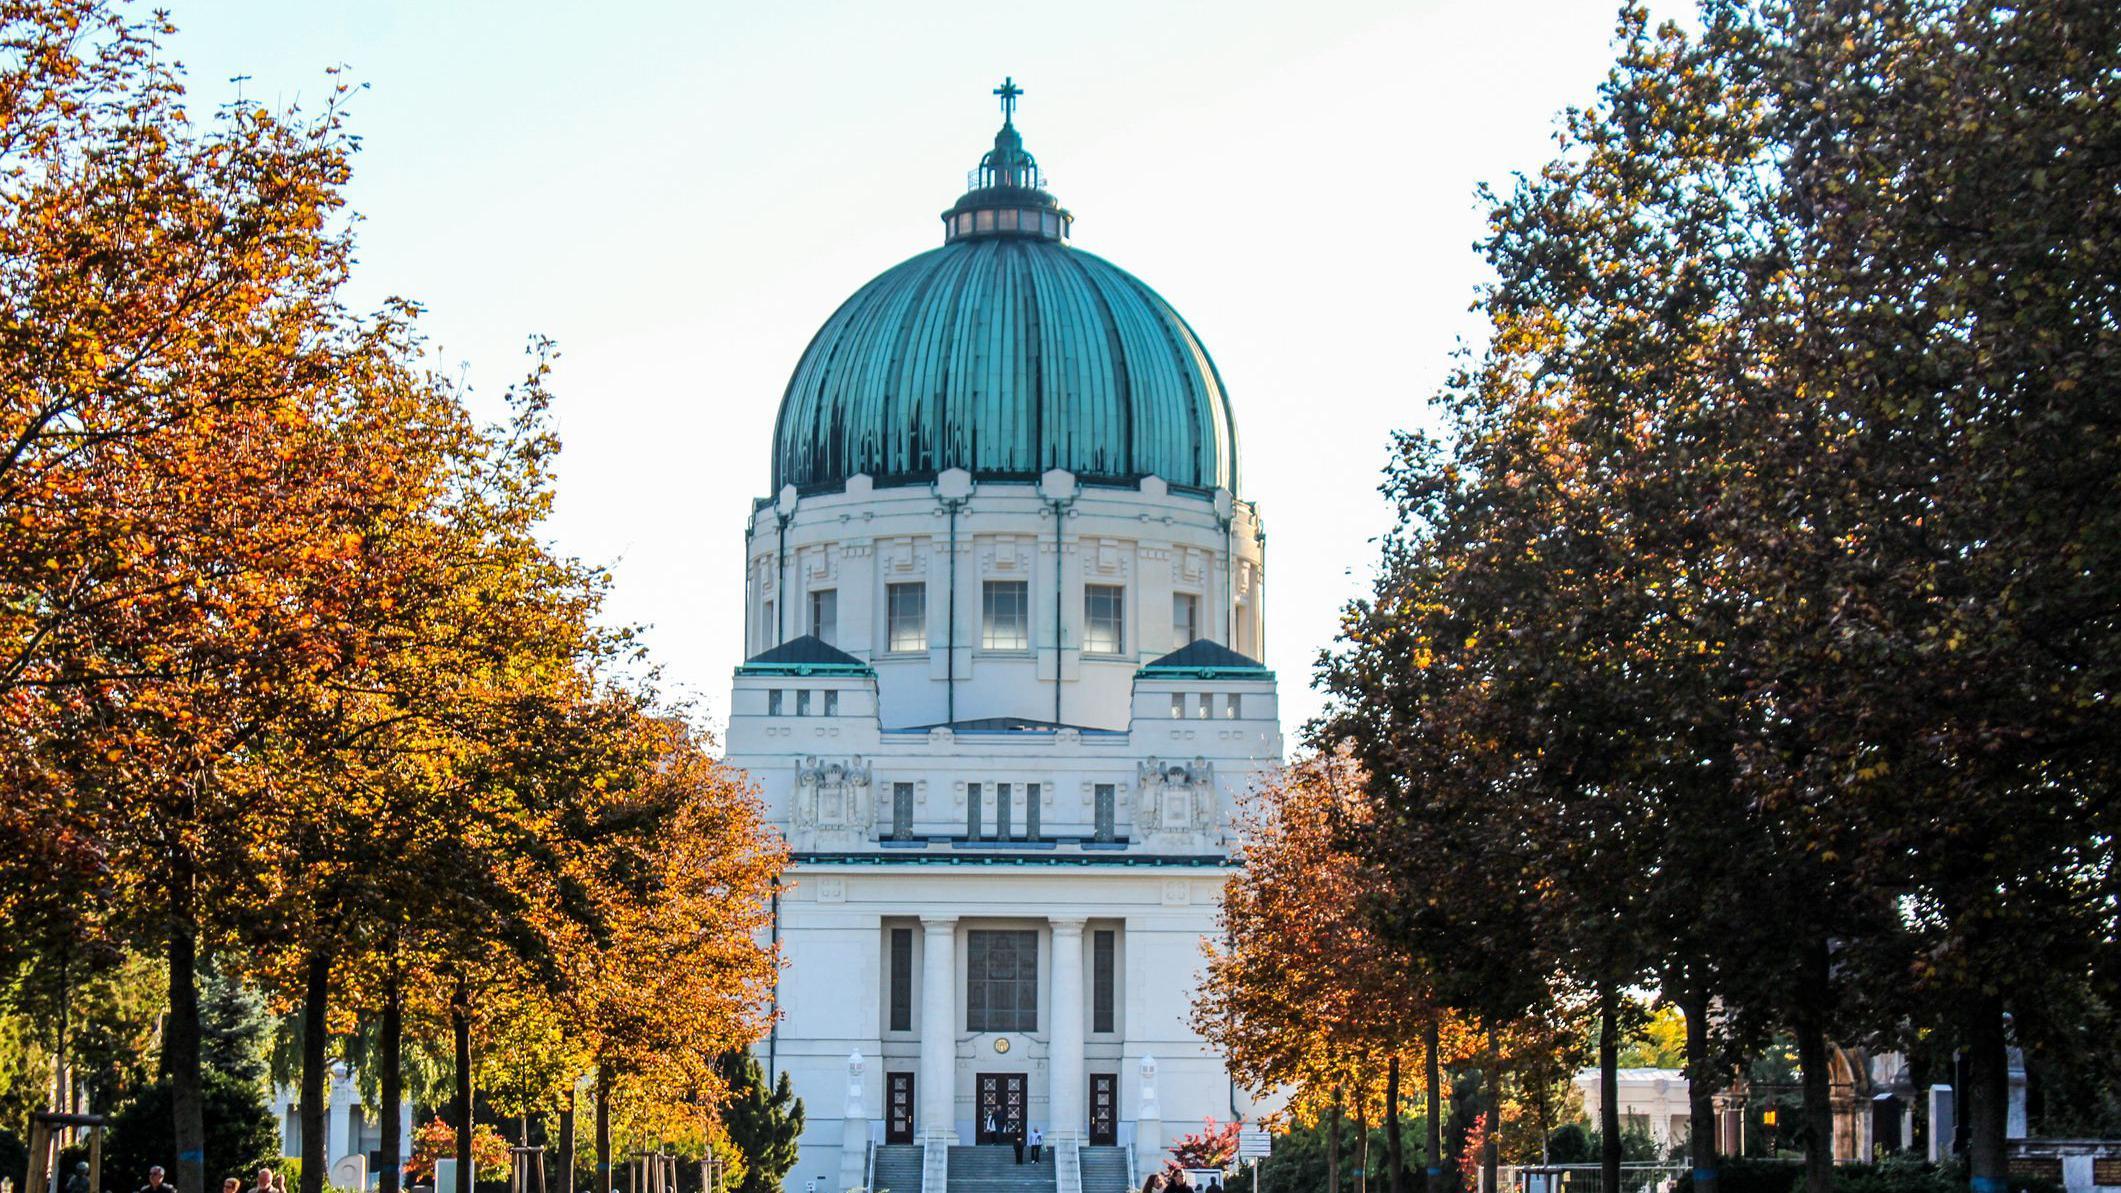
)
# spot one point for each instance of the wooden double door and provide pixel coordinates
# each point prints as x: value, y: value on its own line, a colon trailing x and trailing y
x: 1003, y: 1103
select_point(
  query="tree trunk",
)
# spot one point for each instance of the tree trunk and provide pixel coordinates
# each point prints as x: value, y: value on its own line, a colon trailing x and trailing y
x: 1333, y: 1146
x: 392, y: 1045
x: 1988, y: 1094
x: 316, y: 990
x: 1432, y: 1143
x: 1818, y: 1112
x: 603, y: 1131
x: 180, y: 1035
x: 1702, y: 1081
x: 567, y: 1142
x: 1491, y: 1134
x: 1608, y: 1087
x: 460, y: 1027
x: 1814, y: 1000
x: 1362, y: 1144
x: 1395, y: 1146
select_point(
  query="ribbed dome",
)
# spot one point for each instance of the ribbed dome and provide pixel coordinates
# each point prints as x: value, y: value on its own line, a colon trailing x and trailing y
x: 1005, y: 353
x: 1005, y: 356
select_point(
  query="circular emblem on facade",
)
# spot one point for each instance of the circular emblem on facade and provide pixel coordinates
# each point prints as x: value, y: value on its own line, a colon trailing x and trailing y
x: 1002, y: 1044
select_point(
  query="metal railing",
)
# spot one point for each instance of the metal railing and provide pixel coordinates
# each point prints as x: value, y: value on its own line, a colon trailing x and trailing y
x: 1587, y: 1178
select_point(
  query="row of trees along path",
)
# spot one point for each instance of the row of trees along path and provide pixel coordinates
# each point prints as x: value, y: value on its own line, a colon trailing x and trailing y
x: 1751, y: 636
x: 286, y: 674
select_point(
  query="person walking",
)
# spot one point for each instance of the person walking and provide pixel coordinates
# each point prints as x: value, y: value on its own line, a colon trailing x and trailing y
x: 1016, y: 1139
x: 1155, y: 1183
x: 232, y: 1185
x: 154, y: 1182
x: 264, y: 1179
x: 1038, y: 1140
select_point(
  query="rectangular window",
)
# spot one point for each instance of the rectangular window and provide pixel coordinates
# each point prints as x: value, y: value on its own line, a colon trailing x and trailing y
x: 802, y: 702
x: 972, y: 811
x: 1185, y: 619
x: 1031, y: 811
x: 906, y: 608
x: 902, y: 812
x: 1001, y: 980
x: 773, y: 702
x: 1104, y: 619
x: 1206, y: 707
x: 825, y: 615
x: 1005, y: 615
x: 1103, y: 795
x: 769, y: 629
x: 1001, y: 811
x: 1101, y: 975
x: 1233, y: 706
x: 1178, y: 706
x: 832, y: 703
x: 901, y: 976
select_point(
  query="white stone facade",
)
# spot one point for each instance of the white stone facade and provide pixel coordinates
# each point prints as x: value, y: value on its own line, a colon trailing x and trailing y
x: 991, y: 804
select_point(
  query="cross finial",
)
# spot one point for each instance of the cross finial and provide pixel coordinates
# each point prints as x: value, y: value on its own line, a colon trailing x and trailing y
x: 1008, y: 91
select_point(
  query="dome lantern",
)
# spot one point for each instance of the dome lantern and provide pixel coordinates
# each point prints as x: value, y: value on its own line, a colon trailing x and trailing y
x: 1006, y: 195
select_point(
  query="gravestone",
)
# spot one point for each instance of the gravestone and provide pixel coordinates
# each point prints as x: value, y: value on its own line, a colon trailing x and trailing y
x: 1943, y: 1123
x: 350, y: 1172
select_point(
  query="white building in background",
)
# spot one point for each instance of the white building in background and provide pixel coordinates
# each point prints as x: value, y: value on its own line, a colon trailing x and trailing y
x: 1652, y: 1102
x: 1004, y: 614
x: 353, y: 1131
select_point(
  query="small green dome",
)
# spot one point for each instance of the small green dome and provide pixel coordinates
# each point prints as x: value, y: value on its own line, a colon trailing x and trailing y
x: 1006, y: 353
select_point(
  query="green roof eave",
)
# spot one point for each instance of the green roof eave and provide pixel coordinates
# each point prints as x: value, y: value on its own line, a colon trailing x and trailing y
x: 844, y: 670
x: 1154, y: 672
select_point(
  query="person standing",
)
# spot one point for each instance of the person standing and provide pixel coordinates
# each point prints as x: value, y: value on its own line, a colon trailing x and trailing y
x: 264, y: 1184
x: 1038, y: 1140
x: 1016, y: 1140
x: 154, y: 1182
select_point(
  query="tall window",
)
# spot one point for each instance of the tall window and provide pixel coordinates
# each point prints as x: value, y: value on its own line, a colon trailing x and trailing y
x: 1001, y: 811
x: 1005, y: 615
x: 972, y: 811
x: 1104, y: 619
x: 802, y: 702
x: 832, y: 702
x: 901, y: 976
x: 1101, y: 979
x: 1178, y: 705
x: 1185, y: 618
x: 906, y: 611
x: 1103, y: 796
x: 773, y: 702
x: 902, y: 812
x: 1031, y: 811
x: 769, y: 629
x: 825, y: 615
x: 1001, y: 980
x: 1233, y: 706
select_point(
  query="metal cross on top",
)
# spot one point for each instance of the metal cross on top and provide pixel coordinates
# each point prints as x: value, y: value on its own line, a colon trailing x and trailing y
x: 1008, y: 91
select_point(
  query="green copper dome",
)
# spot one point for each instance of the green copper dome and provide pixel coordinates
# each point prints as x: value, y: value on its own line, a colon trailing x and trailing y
x: 1006, y: 353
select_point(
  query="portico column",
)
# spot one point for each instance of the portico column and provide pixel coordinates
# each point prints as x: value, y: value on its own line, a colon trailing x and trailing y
x: 1065, y: 1058
x: 938, y: 1082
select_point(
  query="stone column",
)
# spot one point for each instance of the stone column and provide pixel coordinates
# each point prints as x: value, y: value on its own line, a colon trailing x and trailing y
x: 938, y: 1079
x: 1064, y: 1063
x: 854, y: 1126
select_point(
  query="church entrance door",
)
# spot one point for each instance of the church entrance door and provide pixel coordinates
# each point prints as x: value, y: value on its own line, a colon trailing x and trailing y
x: 1001, y: 1099
x: 1104, y: 1109
x: 898, y: 1108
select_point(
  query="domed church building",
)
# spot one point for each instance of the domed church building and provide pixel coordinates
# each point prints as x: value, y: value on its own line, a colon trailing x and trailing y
x: 1005, y: 612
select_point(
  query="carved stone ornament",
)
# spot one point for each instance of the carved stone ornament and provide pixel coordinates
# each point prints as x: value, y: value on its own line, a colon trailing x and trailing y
x: 832, y: 794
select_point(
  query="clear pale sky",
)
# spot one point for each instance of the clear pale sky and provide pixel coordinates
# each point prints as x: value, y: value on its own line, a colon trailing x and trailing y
x: 680, y: 193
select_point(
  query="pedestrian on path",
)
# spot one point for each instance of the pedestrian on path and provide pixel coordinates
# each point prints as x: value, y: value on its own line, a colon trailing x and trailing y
x: 1016, y: 1138
x: 154, y: 1182
x: 1038, y: 1139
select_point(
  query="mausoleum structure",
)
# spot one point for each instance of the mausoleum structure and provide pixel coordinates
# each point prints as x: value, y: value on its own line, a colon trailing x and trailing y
x: 1005, y: 611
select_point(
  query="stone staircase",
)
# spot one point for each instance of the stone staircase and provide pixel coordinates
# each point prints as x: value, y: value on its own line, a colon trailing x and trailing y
x: 897, y: 1167
x: 1105, y: 1170
x: 992, y: 1168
